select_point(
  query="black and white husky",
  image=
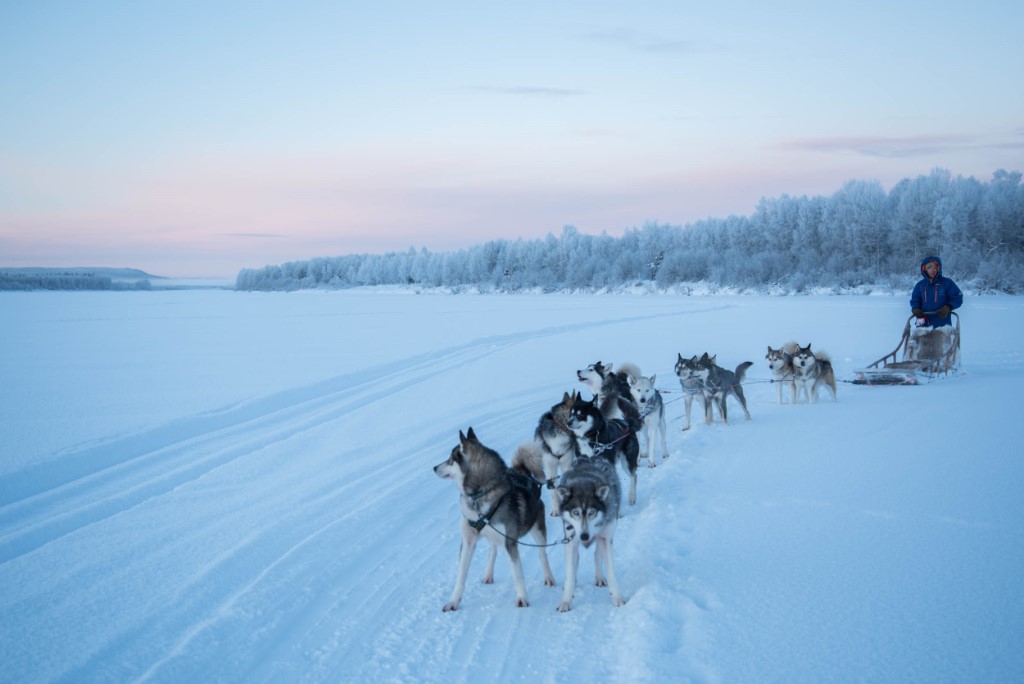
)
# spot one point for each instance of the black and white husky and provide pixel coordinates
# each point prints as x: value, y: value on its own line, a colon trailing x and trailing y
x: 497, y: 503
x: 652, y: 410
x: 613, y: 440
x: 590, y: 495
x: 780, y: 362
x: 812, y: 370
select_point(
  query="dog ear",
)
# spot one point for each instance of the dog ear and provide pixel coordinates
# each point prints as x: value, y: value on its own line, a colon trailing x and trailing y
x: 631, y: 380
x: 566, y: 398
x: 603, y: 491
x: 564, y: 493
x: 653, y: 377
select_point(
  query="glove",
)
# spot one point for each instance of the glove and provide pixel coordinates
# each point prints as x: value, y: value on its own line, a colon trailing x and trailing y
x: 917, y: 312
x: 944, y: 311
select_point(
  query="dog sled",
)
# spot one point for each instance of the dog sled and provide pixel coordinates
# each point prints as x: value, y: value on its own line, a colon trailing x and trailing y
x: 921, y: 356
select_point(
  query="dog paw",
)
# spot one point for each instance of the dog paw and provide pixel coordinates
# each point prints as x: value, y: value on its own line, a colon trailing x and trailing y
x: 522, y: 603
x: 600, y: 582
x: 453, y: 605
x: 618, y: 601
x: 488, y: 579
x: 564, y: 607
x: 549, y: 581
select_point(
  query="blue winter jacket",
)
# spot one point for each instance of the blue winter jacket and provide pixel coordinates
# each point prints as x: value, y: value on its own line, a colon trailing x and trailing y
x: 932, y: 294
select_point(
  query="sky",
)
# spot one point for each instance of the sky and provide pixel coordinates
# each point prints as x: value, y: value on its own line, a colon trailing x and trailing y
x: 196, y: 139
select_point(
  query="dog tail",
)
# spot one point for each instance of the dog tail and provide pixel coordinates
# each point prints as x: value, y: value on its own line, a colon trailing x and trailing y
x: 822, y: 355
x: 632, y: 414
x: 527, y: 460
x: 741, y: 370
x: 630, y: 370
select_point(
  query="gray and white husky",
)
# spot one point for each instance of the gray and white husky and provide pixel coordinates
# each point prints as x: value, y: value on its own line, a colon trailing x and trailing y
x: 613, y: 440
x: 780, y: 362
x: 497, y: 503
x: 812, y: 370
x: 693, y: 386
x: 554, y: 445
x: 590, y: 495
x: 719, y: 383
x: 611, y: 391
x: 652, y: 410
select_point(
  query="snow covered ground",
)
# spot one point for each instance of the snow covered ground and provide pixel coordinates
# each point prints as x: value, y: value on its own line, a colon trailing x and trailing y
x: 226, y: 486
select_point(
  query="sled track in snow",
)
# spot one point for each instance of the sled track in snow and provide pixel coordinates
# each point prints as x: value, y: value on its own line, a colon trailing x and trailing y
x: 83, y: 486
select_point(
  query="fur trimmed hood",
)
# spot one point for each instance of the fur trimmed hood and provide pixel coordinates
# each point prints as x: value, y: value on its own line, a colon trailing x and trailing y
x: 936, y: 260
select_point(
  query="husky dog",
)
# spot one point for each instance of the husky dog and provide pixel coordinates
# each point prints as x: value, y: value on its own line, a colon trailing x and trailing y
x: 612, y: 439
x: 693, y: 385
x: 556, y: 443
x: 611, y: 390
x: 590, y: 494
x: 812, y: 370
x: 652, y: 410
x: 497, y: 503
x: 780, y: 361
x: 719, y: 383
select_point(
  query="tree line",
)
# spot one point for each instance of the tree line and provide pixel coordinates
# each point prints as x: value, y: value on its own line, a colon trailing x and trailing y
x: 66, y: 280
x: 860, y: 236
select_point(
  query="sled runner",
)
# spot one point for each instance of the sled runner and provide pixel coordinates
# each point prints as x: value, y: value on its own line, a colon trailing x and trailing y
x: 923, y: 354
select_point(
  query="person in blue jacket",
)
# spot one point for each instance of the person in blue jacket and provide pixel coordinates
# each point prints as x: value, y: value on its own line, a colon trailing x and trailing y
x: 934, y: 293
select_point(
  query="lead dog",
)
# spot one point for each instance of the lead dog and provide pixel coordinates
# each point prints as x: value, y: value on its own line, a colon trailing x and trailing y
x: 590, y: 495
x: 497, y: 503
x: 813, y: 370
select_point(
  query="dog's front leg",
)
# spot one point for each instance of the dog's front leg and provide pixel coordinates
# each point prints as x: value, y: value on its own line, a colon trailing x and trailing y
x: 469, y: 539
x: 689, y: 408
x: 550, y: 464
x: 604, y: 545
x: 662, y: 430
x: 572, y: 562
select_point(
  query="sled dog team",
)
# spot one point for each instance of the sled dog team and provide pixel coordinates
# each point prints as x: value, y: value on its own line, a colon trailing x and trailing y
x: 574, y: 451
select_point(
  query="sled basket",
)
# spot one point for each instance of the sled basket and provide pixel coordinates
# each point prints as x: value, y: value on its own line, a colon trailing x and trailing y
x: 923, y: 354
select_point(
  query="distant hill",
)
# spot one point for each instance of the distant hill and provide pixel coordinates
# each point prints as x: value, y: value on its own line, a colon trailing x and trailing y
x: 75, y: 278
x: 118, y: 273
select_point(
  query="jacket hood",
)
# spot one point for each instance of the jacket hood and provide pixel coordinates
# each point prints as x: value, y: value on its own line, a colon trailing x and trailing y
x: 931, y: 258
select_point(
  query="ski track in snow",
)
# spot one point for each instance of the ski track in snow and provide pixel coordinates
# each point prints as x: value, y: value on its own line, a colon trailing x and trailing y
x: 321, y: 547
